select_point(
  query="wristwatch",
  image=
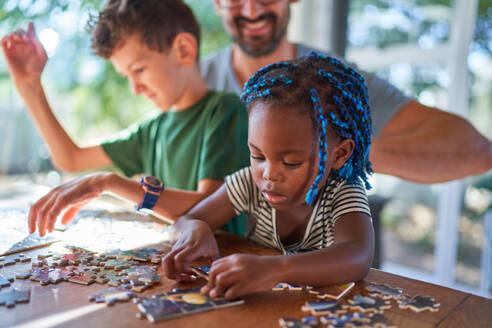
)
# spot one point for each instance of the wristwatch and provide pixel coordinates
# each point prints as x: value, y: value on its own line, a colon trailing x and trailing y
x: 153, y: 188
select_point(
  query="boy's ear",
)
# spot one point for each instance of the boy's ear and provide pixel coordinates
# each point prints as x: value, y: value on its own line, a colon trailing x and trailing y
x: 185, y: 47
x: 341, y: 153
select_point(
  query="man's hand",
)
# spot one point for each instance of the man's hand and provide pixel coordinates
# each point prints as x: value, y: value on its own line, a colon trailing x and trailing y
x: 25, y: 55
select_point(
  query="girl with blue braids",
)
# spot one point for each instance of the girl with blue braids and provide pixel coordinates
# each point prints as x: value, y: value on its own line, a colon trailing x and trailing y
x: 309, y: 138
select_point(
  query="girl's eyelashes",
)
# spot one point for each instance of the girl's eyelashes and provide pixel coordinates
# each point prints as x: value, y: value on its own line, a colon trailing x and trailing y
x: 256, y: 157
x: 289, y: 165
x: 292, y: 165
x: 139, y: 70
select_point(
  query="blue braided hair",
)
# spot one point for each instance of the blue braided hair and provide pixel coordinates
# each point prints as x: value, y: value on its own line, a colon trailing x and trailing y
x: 338, y: 96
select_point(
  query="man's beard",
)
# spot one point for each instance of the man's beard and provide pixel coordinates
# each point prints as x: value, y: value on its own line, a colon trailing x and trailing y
x: 259, y: 47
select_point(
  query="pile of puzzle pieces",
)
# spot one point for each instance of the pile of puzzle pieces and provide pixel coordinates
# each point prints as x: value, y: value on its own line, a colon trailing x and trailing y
x: 357, y: 311
x: 128, y: 272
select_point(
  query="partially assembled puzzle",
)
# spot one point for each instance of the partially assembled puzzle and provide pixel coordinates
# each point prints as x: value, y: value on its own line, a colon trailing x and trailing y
x: 179, y: 302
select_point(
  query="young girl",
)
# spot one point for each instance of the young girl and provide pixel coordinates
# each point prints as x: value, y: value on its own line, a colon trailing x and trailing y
x: 309, y: 138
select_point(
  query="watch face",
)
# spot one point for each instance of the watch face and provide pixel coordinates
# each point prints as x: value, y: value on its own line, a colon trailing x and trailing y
x: 153, y: 181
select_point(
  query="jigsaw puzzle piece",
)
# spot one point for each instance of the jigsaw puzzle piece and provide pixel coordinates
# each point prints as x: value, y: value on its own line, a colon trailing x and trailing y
x: 142, y: 255
x: 323, y: 307
x: 112, y: 295
x: 180, y: 302
x: 110, y: 255
x: 49, y: 276
x: 386, y: 291
x: 334, y: 292
x: 117, y: 265
x: 13, y: 296
x: 368, y: 304
x: 83, y: 278
x: 306, y: 322
x: 76, y: 249
x: 5, y: 282
x: 420, y: 303
x: 13, y: 259
x: 201, y: 271
x: 286, y: 286
x: 380, y: 321
x: 347, y: 320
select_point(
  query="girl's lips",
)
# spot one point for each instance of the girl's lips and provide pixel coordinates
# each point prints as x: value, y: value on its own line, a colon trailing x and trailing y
x: 273, y: 198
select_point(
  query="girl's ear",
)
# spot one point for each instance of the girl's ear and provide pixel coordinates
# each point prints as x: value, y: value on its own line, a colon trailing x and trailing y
x: 185, y: 46
x: 341, y: 153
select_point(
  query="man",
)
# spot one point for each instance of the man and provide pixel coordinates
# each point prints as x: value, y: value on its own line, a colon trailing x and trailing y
x: 410, y: 140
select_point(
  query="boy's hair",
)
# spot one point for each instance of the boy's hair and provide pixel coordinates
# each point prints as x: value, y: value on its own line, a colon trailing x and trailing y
x: 156, y: 21
x: 336, y: 95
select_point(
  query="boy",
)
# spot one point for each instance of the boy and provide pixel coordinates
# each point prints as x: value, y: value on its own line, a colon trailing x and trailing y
x: 155, y: 45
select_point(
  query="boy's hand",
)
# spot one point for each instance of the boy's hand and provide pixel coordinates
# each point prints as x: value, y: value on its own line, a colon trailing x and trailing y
x: 240, y: 274
x: 194, y: 240
x: 25, y: 55
x: 68, y: 198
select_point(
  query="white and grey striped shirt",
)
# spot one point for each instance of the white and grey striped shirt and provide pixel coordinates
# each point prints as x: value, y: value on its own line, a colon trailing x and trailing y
x: 336, y: 199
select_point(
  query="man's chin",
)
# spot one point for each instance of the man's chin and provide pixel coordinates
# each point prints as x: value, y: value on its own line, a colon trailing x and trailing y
x: 257, y: 51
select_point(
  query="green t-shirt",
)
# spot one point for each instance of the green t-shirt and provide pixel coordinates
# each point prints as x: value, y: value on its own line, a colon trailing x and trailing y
x: 206, y: 141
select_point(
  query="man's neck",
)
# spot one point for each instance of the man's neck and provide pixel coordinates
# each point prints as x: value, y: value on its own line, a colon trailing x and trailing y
x: 244, y: 65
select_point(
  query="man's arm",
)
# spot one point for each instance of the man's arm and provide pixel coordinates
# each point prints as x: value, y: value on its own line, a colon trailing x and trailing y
x: 26, y: 59
x: 427, y: 145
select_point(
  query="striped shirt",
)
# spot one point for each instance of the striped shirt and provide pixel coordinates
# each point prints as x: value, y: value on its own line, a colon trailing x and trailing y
x: 336, y: 199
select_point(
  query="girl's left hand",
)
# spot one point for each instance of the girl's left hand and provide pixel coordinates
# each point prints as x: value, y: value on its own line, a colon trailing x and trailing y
x: 240, y: 274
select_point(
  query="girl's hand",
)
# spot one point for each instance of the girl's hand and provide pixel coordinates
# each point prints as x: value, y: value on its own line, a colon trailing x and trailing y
x: 68, y: 198
x: 25, y: 55
x: 240, y: 274
x: 193, y: 240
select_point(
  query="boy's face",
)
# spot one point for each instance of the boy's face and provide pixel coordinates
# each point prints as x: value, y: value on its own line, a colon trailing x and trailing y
x: 284, y: 155
x: 256, y: 28
x: 151, y: 73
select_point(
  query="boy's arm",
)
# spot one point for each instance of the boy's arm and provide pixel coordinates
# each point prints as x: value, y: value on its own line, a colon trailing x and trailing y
x: 26, y: 59
x: 427, y: 145
x: 67, y: 199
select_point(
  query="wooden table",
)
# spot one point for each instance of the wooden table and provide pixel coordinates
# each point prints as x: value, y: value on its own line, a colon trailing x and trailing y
x: 66, y: 304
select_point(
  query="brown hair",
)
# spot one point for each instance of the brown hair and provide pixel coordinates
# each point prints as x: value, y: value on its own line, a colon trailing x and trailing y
x: 156, y: 21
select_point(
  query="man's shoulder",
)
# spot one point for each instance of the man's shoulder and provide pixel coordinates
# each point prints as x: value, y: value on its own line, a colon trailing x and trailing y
x: 303, y: 49
x: 215, y: 60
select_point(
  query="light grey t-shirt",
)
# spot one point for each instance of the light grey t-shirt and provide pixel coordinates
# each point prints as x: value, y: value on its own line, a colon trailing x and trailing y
x: 385, y: 100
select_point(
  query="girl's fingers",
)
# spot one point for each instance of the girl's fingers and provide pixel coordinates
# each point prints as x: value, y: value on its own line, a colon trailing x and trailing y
x: 234, y: 291
x: 217, y: 268
x: 187, y: 255
x: 168, y: 265
x: 223, y: 281
x: 184, y: 277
